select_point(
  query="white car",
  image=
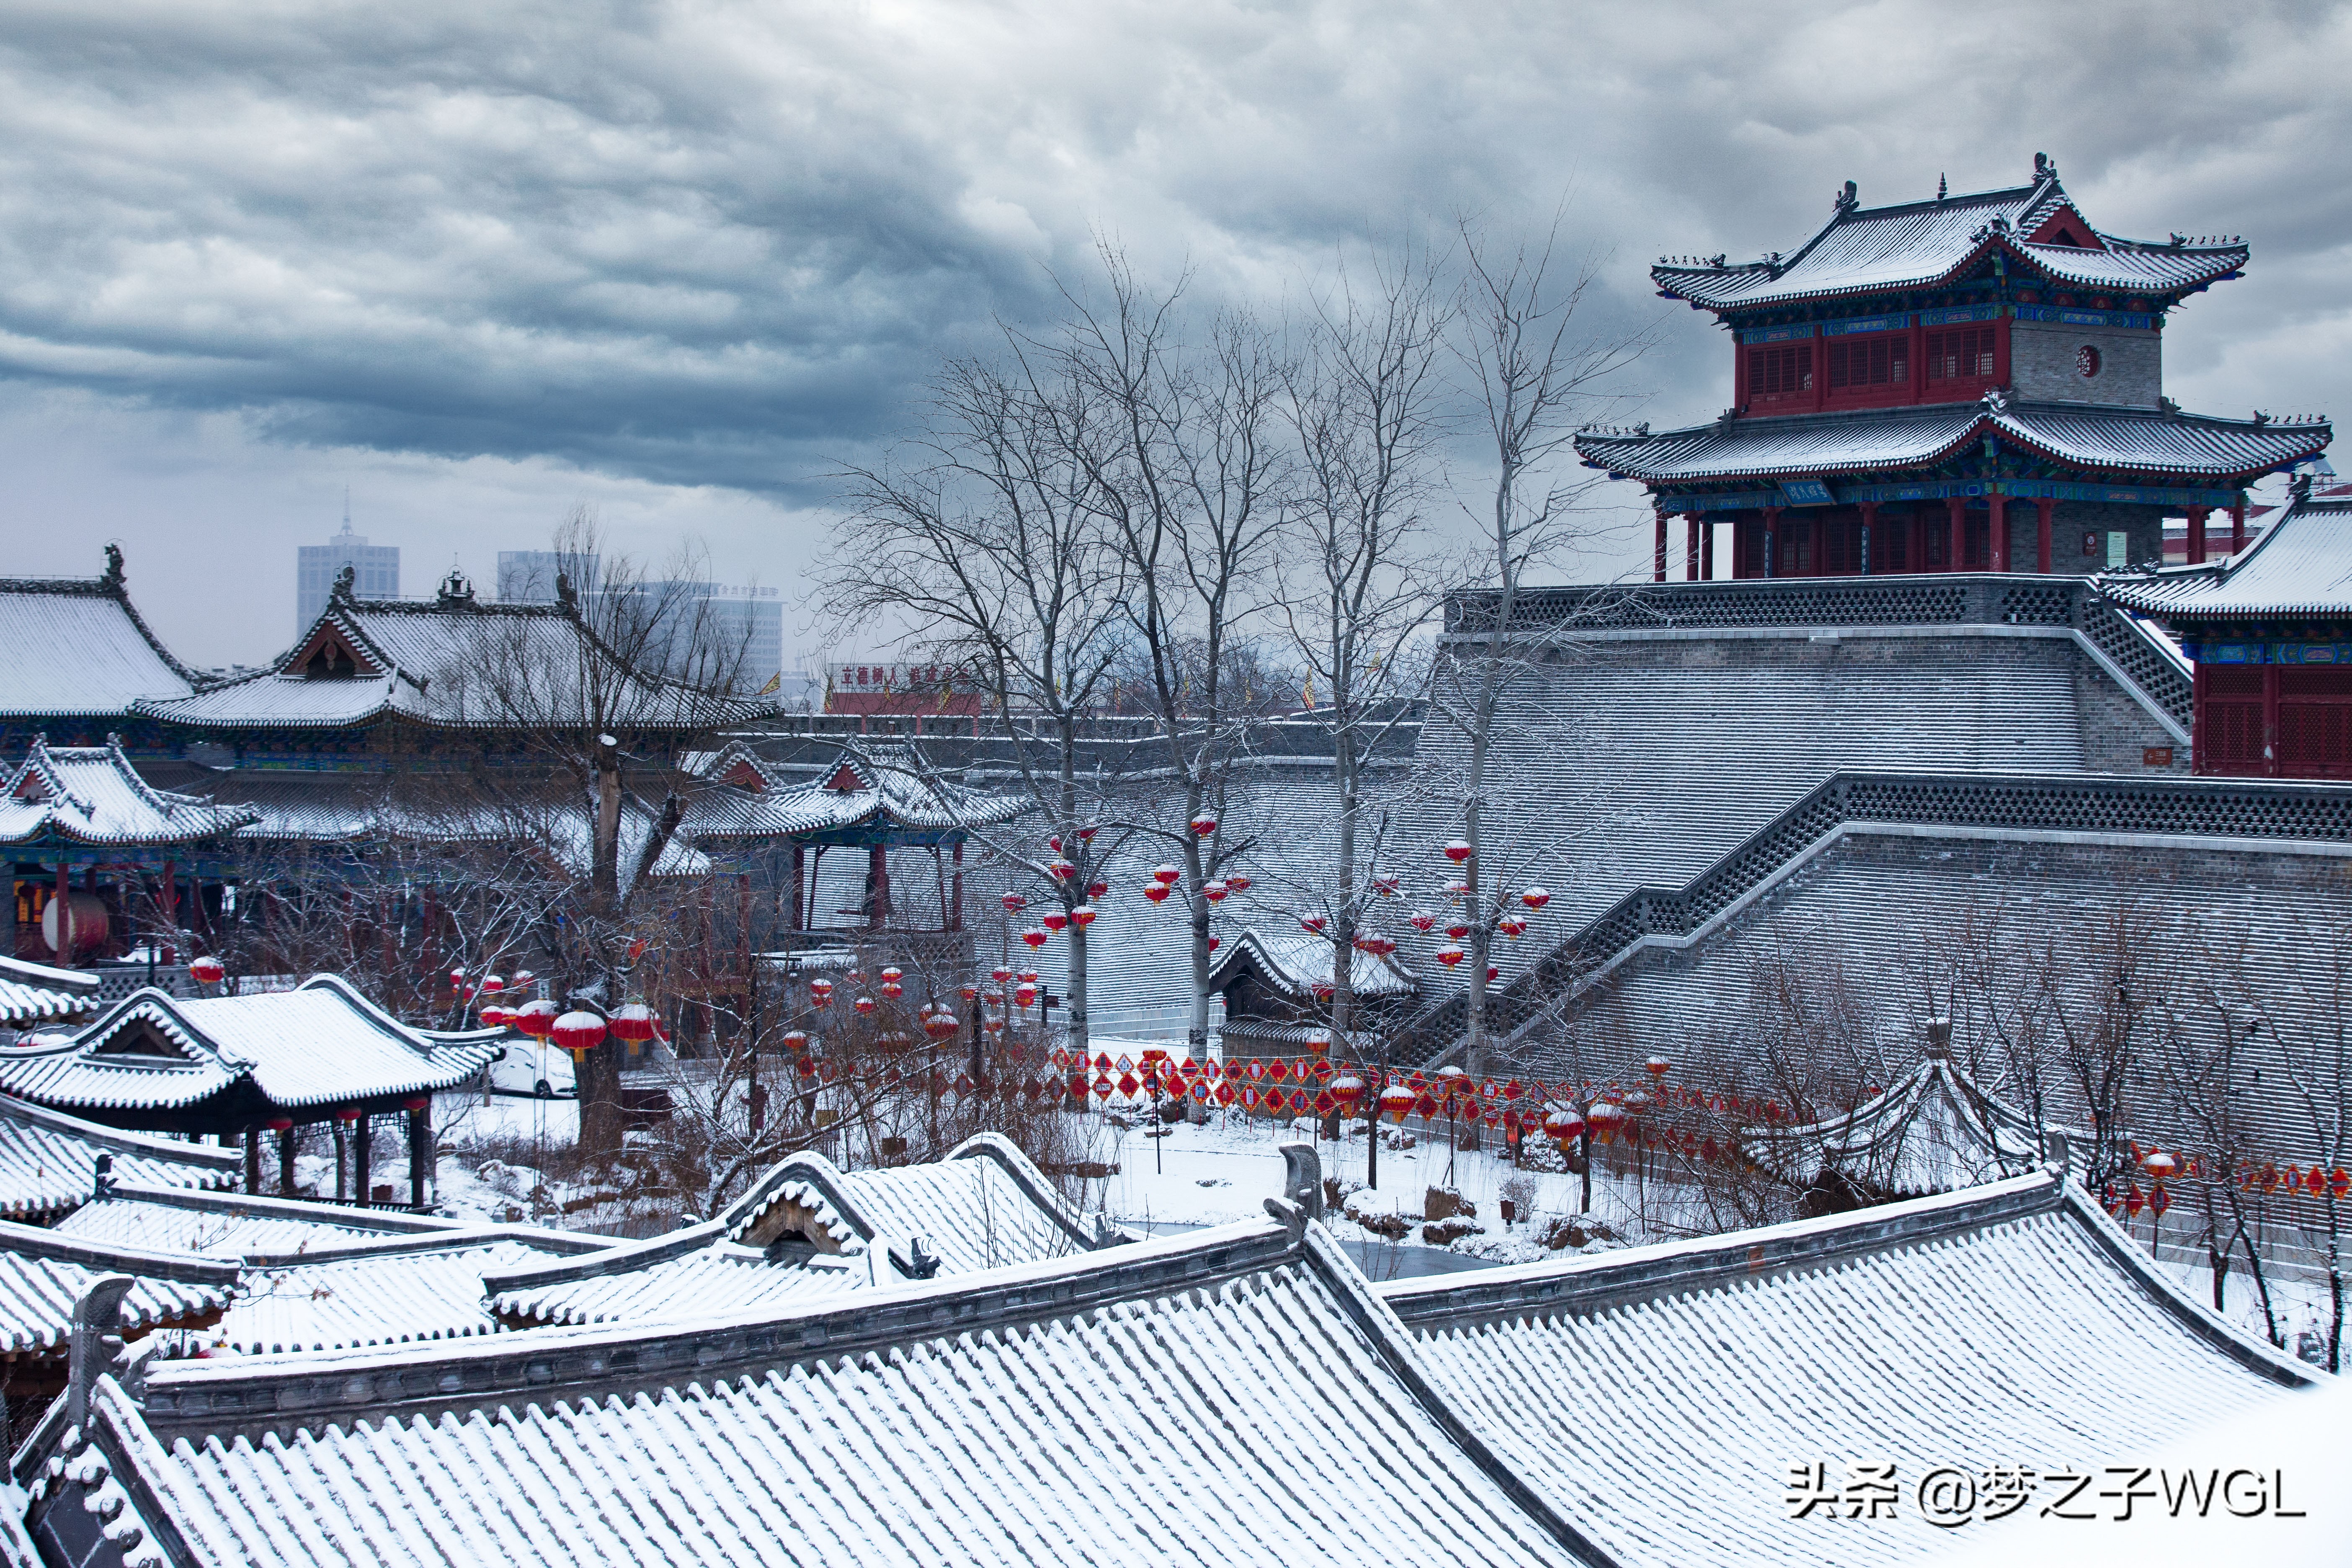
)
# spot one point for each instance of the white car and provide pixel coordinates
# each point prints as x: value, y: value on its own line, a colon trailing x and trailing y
x: 530, y: 1067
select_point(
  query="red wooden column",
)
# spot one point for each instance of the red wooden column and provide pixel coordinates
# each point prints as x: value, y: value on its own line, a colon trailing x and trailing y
x: 1658, y: 566
x: 1692, y: 523
x: 1705, y: 551
x: 1996, y: 532
x: 1869, y: 525
x: 1958, y: 511
x: 2197, y: 515
x: 2042, y: 510
x: 1771, y: 540
x: 2237, y: 528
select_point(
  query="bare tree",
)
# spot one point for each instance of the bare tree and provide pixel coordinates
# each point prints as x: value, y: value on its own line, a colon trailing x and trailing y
x: 1534, y: 375
x: 1365, y: 404
x: 2308, y: 1024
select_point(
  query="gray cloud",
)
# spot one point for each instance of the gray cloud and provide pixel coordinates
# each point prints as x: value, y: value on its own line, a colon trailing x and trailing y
x: 720, y: 245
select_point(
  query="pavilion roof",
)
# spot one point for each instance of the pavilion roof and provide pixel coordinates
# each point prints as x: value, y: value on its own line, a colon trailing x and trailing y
x: 1924, y: 244
x: 49, y: 1160
x: 1040, y: 1414
x: 91, y: 794
x: 455, y: 662
x: 1678, y: 1384
x: 44, y: 1273
x: 2156, y: 442
x: 1933, y: 1130
x: 319, y: 1044
x: 1295, y: 963
x: 76, y: 647
x: 236, y: 1225
x: 2302, y: 565
x: 807, y: 1228
x: 33, y: 993
x: 865, y: 787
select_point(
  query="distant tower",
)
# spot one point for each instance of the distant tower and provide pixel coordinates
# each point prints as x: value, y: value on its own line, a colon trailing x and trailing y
x: 376, y: 569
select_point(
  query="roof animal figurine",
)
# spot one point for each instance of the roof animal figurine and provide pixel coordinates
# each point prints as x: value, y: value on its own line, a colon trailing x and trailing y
x: 1017, y: 1415
x: 319, y: 1046
x: 807, y: 1227
x: 1689, y: 1391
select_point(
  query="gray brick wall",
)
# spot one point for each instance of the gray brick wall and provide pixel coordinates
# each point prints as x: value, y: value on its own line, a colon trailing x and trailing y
x: 2044, y: 364
x: 2070, y: 521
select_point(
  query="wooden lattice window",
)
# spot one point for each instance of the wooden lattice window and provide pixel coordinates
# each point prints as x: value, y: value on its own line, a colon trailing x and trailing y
x: 2232, y: 715
x: 1776, y: 371
x: 1878, y: 359
x: 1960, y: 354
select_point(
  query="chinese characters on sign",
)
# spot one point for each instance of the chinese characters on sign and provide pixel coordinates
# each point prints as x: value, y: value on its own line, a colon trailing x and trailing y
x: 1948, y: 1496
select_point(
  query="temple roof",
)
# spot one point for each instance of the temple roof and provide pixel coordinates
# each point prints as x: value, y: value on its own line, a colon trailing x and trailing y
x: 400, y: 1291
x: 796, y: 1231
x: 1673, y: 1386
x: 2302, y: 565
x: 33, y: 993
x: 76, y: 647
x: 1921, y: 245
x: 42, y: 1274
x: 1052, y: 1413
x: 319, y: 1044
x: 234, y: 1225
x: 2082, y: 436
x: 746, y: 796
x: 48, y: 1161
x: 1295, y: 963
x: 1933, y: 1130
x: 91, y: 794
x: 452, y: 662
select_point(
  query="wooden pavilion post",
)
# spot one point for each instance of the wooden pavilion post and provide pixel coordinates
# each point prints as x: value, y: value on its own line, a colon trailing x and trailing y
x: 253, y: 1160
x: 286, y: 1144
x: 2196, y: 516
x: 1705, y: 551
x: 1658, y: 565
x: 1691, y: 525
x: 1996, y: 532
x: 362, y: 1160
x: 420, y: 1148
x: 2238, y: 528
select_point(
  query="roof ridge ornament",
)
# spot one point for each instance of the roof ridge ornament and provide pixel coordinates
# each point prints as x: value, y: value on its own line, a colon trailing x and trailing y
x: 1847, y: 199
x: 456, y: 589
x: 344, y: 579
x: 2044, y: 169
x: 1942, y: 190
x: 111, y: 578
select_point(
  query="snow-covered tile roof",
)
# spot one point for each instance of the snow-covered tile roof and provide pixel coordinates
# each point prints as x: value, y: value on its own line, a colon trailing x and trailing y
x: 33, y: 993
x: 42, y: 1274
x: 1658, y: 1397
x: 2302, y: 565
x: 986, y: 1205
x: 1234, y: 1396
x: 402, y: 1290
x: 1917, y: 245
x: 455, y: 663
x: 1298, y: 961
x: 91, y: 794
x: 322, y: 1043
x: 76, y: 647
x: 2106, y: 440
x: 235, y: 1225
x: 746, y: 796
x: 1934, y: 1129
x: 49, y: 1160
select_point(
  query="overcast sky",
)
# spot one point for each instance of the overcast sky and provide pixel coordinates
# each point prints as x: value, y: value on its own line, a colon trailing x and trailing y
x: 480, y: 262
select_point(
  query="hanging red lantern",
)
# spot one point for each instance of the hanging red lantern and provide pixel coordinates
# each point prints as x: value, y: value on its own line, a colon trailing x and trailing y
x: 2160, y: 1165
x: 1000, y: 974
x: 1605, y: 1119
x: 1027, y: 977
x: 820, y: 991
x: 207, y: 970
x: 1237, y: 883
x: 1421, y: 919
x: 1055, y: 844
x: 1458, y: 851
x: 1215, y: 943
x: 1060, y: 870
x: 1083, y: 916
x: 1087, y: 830
x: 794, y: 1040
x: 1213, y: 890
x: 1457, y: 889
x: 1323, y: 988
x: 1658, y: 1066
x: 1376, y: 944
x: 1449, y: 955
x: 1156, y: 893
x: 1396, y: 1101
x: 579, y: 1032
x: 1314, y: 923
x: 522, y: 977
x: 1493, y: 973
x: 941, y: 1025
x: 1097, y: 888
x: 457, y: 977
x: 1035, y: 938
x: 492, y: 984
x: 494, y: 1017
x: 1014, y: 903
x: 1457, y: 928
x: 893, y: 990
x: 1535, y: 898
x: 634, y: 1023
x: 994, y: 1026
x: 1166, y: 874
x: 866, y: 1006
x: 1511, y: 926
x: 1203, y: 824
x: 1346, y: 1088
x: 1054, y: 919
x: 536, y: 1019
x: 893, y: 972
x: 1025, y: 996
x: 969, y: 992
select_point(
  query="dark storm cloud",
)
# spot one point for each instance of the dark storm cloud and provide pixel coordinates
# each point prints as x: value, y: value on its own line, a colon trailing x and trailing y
x: 718, y: 245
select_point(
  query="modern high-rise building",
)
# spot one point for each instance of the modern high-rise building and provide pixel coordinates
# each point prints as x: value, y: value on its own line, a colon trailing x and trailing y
x: 528, y: 576
x: 376, y: 571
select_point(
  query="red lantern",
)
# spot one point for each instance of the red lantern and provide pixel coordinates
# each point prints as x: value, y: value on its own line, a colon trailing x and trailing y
x: 1458, y: 851
x: 821, y: 992
x: 1083, y: 916
x: 940, y: 1026
x: 1060, y: 870
x: 492, y: 984
x: 1097, y: 888
x: 494, y: 1017
x: 457, y: 977
x: 969, y: 992
x: 1395, y: 1101
x: 1000, y: 974
x: 1375, y: 943
x: 522, y: 977
x: 1449, y: 955
x: 794, y: 1040
x: 893, y: 990
x: 1156, y: 893
x: 1313, y: 923
x: 1421, y: 919
x: 1054, y: 919
x: 207, y: 970
x: 1025, y: 994
x: 1203, y: 824
x: 1605, y: 1120
x: 1014, y: 903
x: 1535, y: 898
x: 579, y: 1032
x: 1511, y: 926
x: 1027, y: 977
x: 1166, y: 874
x: 280, y: 1124
x: 1035, y: 938
x: 1213, y: 890
x: 2160, y: 1165
x: 866, y: 1006
x: 1658, y: 1066
x: 1238, y: 883
x: 1346, y: 1088
x: 1215, y: 943
x: 1324, y: 989
x: 636, y: 1023
x: 536, y: 1019
x: 1564, y: 1127
x: 994, y: 1026
x: 1493, y: 973
x: 1087, y: 831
